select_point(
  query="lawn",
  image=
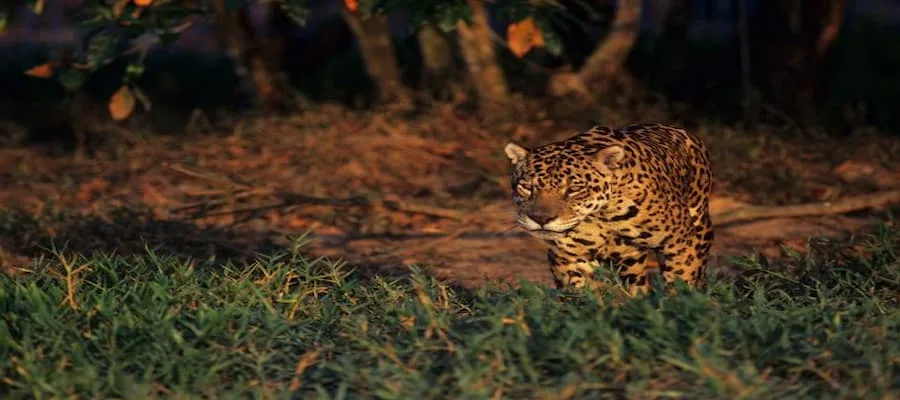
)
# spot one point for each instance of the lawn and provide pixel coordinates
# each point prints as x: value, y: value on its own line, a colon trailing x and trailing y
x: 824, y: 324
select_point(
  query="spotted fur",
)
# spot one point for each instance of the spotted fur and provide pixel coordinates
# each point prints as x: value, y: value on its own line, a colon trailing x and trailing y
x: 610, y: 197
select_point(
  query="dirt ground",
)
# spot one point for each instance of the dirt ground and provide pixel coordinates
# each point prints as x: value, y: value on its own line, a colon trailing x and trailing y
x: 383, y: 191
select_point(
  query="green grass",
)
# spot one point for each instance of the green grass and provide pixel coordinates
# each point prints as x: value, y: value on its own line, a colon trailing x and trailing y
x: 821, y: 325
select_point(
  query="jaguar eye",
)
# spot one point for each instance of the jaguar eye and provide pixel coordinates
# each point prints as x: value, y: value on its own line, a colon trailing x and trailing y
x: 523, y: 190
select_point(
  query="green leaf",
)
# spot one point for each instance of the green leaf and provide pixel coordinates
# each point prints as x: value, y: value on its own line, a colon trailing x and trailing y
x: 552, y: 41
x: 100, y: 48
x: 296, y: 10
x: 94, y: 16
x: 446, y: 16
x: 71, y: 79
x: 514, y: 11
x: 134, y: 71
x: 367, y: 8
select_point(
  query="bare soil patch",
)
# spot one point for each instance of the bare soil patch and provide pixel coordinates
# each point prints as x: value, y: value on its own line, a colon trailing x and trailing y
x: 383, y: 191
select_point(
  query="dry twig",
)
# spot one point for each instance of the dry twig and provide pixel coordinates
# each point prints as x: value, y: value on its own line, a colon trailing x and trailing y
x: 285, y: 199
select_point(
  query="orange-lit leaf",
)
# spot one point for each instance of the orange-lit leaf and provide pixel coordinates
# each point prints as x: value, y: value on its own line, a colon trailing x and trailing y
x: 142, y: 3
x: 522, y: 36
x: 352, y: 5
x: 40, y: 71
x: 121, y: 104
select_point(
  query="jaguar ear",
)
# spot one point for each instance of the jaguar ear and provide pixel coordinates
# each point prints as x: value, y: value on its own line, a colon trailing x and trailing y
x: 515, y: 153
x: 611, y: 156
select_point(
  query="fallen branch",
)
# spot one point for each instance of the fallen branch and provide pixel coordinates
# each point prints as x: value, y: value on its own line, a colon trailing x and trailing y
x: 800, y: 210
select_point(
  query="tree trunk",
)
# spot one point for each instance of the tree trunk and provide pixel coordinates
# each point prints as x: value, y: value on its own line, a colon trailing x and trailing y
x: 437, y: 59
x: 373, y: 35
x: 834, y: 21
x: 606, y: 61
x: 791, y: 39
x: 261, y: 79
x: 481, y: 61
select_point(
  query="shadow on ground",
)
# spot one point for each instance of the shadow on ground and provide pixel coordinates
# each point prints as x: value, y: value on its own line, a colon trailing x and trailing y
x: 124, y: 231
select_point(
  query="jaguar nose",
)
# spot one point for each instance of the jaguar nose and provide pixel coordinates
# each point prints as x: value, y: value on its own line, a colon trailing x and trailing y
x: 541, y: 218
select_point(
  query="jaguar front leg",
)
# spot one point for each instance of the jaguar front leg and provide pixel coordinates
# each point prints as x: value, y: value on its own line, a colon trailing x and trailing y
x: 570, y: 270
x: 631, y: 264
